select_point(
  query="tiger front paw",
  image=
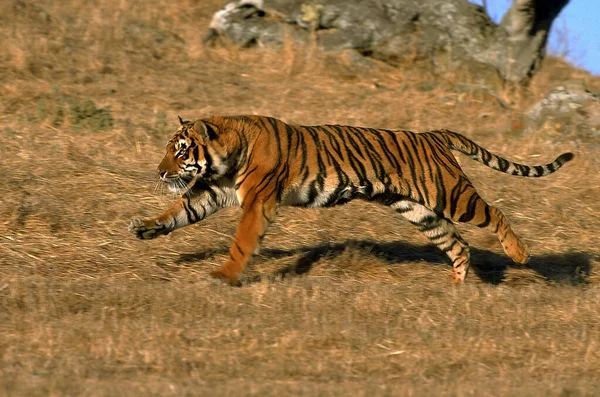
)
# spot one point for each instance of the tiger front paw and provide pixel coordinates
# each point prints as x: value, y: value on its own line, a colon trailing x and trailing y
x: 147, y: 229
x: 225, y: 276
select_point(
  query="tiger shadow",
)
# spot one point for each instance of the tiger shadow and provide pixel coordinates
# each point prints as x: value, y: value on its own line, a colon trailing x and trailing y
x: 571, y: 268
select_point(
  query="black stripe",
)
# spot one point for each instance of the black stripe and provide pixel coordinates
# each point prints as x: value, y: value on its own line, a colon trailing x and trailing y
x: 539, y: 170
x: 246, y: 175
x: 210, y: 132
x: 333, y: 137
x: 404, y: 210
x: 449, y: 248
x: 430, y: 226
x: 412, y: 159
x: 384, y: 149
x: 486, y: 157
x: 237, y: 246
x: 399, y: 151
x: 439, y: 236
x: 503, y: 164
x: 488, y: 217
x: 457, y: 191
x: 471, y: 208
x: 192, y: 210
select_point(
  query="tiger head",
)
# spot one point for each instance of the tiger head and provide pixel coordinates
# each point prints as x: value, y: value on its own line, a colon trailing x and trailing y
x: 193, y: 153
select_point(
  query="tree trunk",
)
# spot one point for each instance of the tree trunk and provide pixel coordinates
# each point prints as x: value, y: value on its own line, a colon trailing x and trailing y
x: 527, y: 24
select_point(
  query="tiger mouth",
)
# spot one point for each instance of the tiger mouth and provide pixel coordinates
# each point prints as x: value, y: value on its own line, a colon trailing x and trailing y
x: 180, y: 184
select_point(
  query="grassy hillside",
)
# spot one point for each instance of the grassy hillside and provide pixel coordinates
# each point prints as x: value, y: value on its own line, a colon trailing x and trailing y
x: 344, y: 301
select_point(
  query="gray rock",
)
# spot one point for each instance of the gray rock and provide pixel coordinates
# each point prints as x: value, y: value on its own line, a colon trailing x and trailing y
x: 562, y: 99
x: 567, y: 109
x: 445, y: 33
x: 368, y: 25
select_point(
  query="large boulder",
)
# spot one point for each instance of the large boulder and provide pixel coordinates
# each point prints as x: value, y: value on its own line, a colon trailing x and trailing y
x: 442, y: 34
x: 566, y: 111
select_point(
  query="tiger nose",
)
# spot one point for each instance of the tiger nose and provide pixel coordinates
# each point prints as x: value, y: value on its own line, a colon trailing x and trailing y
x: 163, y: 174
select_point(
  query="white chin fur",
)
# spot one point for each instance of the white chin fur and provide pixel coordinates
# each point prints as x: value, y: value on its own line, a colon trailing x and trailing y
x: 180, y: 188
x: 176, y: 189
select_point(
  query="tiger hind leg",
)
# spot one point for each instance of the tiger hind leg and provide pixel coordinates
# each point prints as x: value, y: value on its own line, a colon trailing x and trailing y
x: 441, y: 232
x: 512, y: 245
x: 473, y: 209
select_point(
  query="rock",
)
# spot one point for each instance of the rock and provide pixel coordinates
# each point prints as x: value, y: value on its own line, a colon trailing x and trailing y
x: 567, y: 109
x: 562, y: 99
x: 372, y: 25
x: 447, y: 35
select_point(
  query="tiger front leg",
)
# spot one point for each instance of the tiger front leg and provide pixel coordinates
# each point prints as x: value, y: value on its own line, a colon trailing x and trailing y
x: 198, y: 203
x: 256, y: 218
x: 147, y: 229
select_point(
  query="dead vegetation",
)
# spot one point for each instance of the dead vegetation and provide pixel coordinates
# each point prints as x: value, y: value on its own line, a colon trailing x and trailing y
x: 346, y: 301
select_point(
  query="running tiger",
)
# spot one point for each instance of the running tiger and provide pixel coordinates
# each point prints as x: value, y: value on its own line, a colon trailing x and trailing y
x: 261, y: 163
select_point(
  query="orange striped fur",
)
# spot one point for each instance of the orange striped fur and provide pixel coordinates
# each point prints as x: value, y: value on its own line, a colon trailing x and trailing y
x: 261, y: 163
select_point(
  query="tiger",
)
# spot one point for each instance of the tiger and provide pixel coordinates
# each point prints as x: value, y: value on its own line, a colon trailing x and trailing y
x: 261, y: 163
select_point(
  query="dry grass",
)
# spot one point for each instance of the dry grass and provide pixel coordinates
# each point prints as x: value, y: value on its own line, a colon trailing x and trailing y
x: 346, y: 301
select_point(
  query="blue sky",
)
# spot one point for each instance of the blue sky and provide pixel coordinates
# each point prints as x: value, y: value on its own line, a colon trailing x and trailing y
x: 575, y: 33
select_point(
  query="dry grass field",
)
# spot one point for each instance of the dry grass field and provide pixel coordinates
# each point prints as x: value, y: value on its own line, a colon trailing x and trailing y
x: 343, y: 301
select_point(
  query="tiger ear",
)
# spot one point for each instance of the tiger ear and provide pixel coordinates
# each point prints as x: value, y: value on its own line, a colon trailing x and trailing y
x: 180, y: 120
x: 205, y: 131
